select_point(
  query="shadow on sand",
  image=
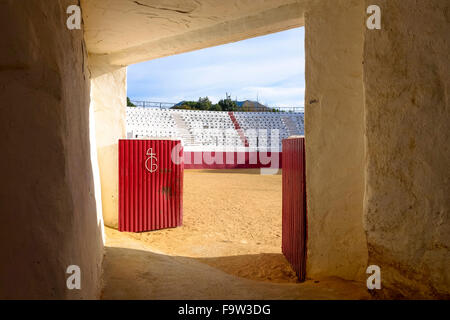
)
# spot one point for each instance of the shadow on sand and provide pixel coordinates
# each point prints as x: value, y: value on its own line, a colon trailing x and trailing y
x: 143, y: 274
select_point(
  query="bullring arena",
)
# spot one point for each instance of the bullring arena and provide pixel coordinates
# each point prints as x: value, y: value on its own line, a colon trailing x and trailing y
x: 230, y: 222
x: 229, y: 247
x: 366, y: 169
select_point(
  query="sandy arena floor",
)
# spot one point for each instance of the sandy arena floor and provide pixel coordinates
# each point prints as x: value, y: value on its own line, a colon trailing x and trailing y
x: 229, y: 247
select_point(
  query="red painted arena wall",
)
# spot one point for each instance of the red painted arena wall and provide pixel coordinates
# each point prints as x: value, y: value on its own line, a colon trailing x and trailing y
x: 231, y: 160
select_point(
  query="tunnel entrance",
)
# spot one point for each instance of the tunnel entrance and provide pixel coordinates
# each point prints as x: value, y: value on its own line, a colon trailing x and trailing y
x: 237, y: 210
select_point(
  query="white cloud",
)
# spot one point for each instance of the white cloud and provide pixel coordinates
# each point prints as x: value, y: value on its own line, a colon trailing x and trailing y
x: 271, y: 66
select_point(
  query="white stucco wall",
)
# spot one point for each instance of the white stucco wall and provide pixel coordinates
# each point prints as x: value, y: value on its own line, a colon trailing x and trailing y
x: 407, y: 202
x: 334, y: 127
x: 108, y: 101
x: 48, y: 214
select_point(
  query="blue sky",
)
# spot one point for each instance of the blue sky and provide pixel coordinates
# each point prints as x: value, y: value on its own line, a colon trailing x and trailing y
x: 270, y: 66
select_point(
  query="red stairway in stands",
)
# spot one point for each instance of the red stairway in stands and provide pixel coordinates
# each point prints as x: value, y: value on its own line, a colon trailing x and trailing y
x: 238, y: 128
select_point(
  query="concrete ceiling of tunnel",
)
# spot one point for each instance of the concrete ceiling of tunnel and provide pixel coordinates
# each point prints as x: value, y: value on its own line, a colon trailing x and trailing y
x: 123, y: 32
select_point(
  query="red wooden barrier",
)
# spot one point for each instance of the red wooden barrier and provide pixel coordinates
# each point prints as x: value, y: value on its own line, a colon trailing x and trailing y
x: 294, y: 234
x: 150, y: 185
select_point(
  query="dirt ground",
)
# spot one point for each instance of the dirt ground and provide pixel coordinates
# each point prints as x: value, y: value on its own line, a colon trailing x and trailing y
x: 229, y: 247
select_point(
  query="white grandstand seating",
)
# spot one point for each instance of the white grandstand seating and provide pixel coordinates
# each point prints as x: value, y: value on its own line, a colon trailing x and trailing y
x: 213, y: 130
x: 150, y: 123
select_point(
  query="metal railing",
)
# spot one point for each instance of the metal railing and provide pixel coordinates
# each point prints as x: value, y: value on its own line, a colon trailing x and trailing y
x: 290, y: 109
x: 153, y: 104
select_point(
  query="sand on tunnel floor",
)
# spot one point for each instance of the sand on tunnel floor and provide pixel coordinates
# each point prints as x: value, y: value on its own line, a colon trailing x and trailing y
x: 229, y: 246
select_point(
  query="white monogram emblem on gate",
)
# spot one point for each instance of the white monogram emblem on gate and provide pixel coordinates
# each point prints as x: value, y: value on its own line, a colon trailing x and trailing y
x: 153, y: 166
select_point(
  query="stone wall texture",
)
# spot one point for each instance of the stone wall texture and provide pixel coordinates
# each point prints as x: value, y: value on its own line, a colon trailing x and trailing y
x: 108, y: 101
x: 407, y: 200
x: 377, y: 132
x: 334, y: 127
x: 48, y: 217
x: 126, y: 32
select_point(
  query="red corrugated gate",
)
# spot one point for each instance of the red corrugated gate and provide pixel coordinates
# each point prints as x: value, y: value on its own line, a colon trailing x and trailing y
x: 150, y: 185
x: 294, y: 205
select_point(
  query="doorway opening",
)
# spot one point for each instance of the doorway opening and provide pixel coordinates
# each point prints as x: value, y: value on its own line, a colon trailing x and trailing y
x: 232, y: 215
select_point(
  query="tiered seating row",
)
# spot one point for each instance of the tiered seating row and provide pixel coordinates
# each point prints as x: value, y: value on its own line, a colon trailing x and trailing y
x: 214, y: 130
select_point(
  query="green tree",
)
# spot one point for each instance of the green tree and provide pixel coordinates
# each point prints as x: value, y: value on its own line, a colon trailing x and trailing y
x: 215, y: 107
x: 183, y: 107
x: 227, y: 104
x: 129, y: 103
x: 204, y: 104
x: 187, y: 105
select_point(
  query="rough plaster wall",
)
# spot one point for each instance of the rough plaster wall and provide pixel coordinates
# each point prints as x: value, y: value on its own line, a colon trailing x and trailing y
x: 126, y: 32
x: 115, y: 25
x: 334, y: 139
x: 407, y: 203
x: 108, y: 99
x: 48, y: 218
